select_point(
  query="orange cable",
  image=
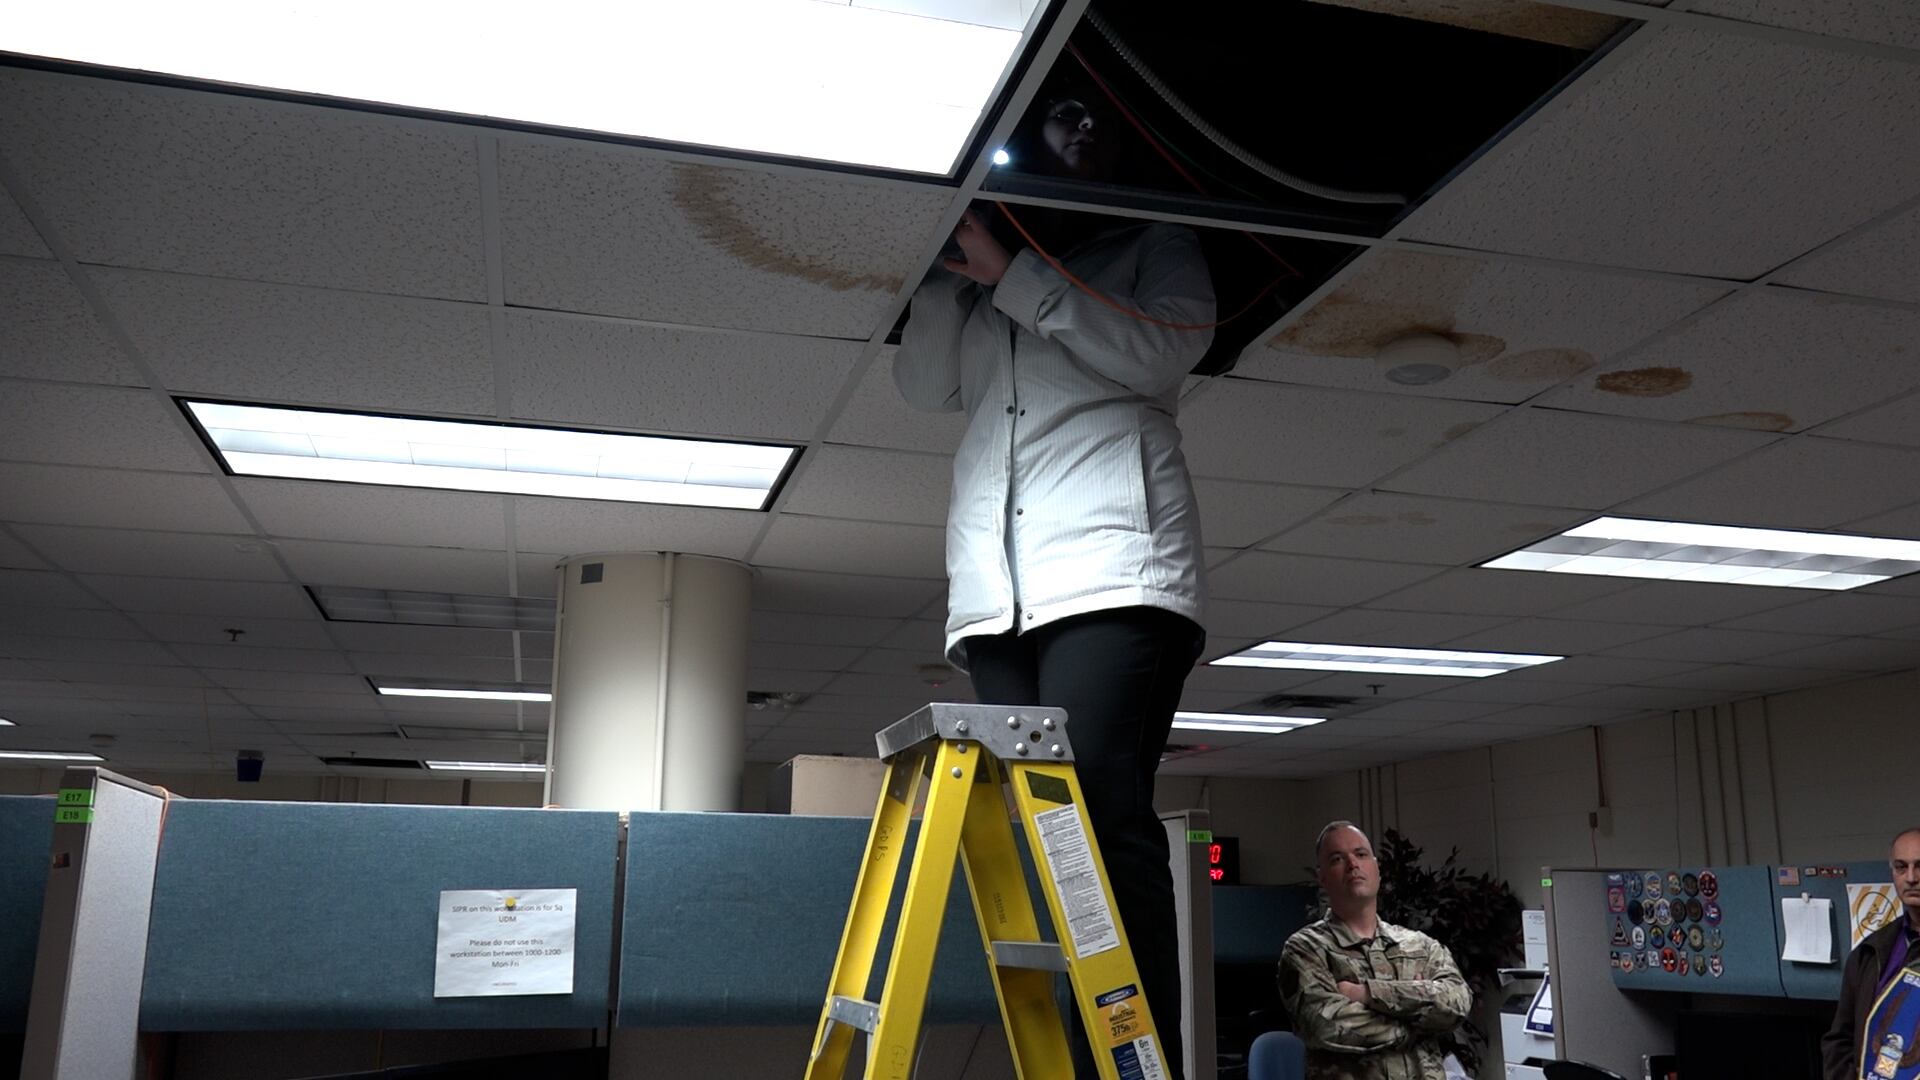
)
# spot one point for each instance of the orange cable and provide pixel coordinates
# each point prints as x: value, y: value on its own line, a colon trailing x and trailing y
x: 1115, y: 304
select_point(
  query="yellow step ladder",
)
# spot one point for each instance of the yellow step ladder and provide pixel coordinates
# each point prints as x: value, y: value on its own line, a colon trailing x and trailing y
x: 971, y: 756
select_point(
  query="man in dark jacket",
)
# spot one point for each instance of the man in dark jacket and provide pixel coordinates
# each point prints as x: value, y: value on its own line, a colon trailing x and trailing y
x: 1875, y: 963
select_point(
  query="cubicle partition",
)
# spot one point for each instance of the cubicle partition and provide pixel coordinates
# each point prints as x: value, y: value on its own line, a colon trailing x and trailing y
x: 26, y: 839
x: 1702, y: 930
x: 1815, y: 980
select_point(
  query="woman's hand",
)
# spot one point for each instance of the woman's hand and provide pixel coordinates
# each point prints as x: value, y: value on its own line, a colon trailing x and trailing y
x: 986, y: 261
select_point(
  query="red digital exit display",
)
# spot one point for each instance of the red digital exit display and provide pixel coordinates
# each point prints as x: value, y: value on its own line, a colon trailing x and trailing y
x: 1223, y: 860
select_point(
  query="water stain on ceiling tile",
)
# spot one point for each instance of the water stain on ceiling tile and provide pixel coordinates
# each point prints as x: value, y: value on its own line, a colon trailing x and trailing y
x: 1750, y: 421
x: 1541, y: 365
x: 1347, y: 325
x: 708, y: 197
x: 1645, y: 382
x: 1510, y: 18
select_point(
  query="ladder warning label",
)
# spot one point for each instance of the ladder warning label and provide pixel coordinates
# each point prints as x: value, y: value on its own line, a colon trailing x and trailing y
x: 1139, y: 1060
x: 1070, y: 864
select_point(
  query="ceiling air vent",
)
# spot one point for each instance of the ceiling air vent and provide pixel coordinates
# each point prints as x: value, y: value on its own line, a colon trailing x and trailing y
x: 373, y: 763
x: 1305, y: 704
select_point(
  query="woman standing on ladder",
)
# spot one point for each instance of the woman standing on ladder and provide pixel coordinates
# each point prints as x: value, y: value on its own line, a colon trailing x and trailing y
x: 1073, y: 538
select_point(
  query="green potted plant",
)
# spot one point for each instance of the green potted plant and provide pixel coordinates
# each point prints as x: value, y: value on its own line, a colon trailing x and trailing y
x: 1476, y: 916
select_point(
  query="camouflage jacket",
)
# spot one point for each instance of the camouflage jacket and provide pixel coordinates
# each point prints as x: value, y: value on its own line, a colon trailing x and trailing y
x: 1418, y: 995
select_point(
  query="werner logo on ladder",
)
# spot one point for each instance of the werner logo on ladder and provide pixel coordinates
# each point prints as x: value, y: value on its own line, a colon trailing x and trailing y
x: 972, y: 757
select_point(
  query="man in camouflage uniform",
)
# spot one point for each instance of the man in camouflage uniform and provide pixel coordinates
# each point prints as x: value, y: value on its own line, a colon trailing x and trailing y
x: 1370, y: 999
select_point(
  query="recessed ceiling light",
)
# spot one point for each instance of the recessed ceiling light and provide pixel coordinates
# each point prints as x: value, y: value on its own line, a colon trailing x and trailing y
x: 1730, y: 554
x: 854, y: 83
x: 1382, y: 661
x: 1217, y: 721
x: 364, y: 448
x: 489, y: 766
x: 463, y: 692
x: 47, y: 755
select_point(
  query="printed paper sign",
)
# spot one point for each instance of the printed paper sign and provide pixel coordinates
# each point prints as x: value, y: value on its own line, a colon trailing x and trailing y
x: 1871, y: 907
x: 501, y: 942
x: 1070, y: 863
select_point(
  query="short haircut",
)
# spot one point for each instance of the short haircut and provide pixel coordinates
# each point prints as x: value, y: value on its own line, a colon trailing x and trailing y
x: 1320, y: 842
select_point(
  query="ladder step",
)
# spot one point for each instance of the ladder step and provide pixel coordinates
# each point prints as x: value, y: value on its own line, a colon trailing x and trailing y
x: 1036, y: 955
x: 854, y: 1013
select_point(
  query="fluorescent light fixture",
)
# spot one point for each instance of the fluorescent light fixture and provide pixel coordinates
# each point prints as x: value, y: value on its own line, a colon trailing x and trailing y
x: 489, y: 766
x: 458, y: 692
x: 1001, y: 157
x: 1731, y: 554
x: 4, y: 722
x: 854, y: 83
x: 1220, y: 721
x: 1382, y: 661
x: 47, y: 755
x: 362, y: 448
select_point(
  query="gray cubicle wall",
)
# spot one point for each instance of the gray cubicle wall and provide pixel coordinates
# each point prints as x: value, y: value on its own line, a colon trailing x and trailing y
x: 1251, y: 923
x: 734, y: 919
x: 1821, y: 981
x: 1593, y: 1021
x: 323, y: 916
x: 26, y: 836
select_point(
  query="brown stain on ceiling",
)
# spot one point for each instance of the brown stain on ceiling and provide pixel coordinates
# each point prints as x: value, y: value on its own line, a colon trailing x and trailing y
x: 1415, y: 517
x: 1751, y: 421
x: 1458, y: 430
x: 1511, y: 18
x: 706, y: 195
x: 1541, y: 365
x: 1345, y: 325
x: 1644, y: 382
x: 1359, y: 520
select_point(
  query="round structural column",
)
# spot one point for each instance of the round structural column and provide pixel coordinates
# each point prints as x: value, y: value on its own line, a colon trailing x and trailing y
x: 649, y: 683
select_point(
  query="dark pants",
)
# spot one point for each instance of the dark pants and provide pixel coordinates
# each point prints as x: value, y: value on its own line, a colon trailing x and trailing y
x: 1118, y: 674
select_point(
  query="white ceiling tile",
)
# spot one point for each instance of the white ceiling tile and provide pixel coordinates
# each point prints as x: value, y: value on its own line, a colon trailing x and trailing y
x: 1854, y: 654
x: 1895, y: 422
x: 17, y: 234
x: 927, y: 665
x: 1716, y: 646
x: 874, y: 485
x: 1521, y: 328
x: 1571, y: 712
x: 1408, y: 629
x: 51, y: 332
x: 1771, y: 359
x: 341, y: 706
x: 1704, y: 153
x: 1877, y: 261
x: 597, y: 371
x: 778, y: 680
x: 824, y: 629
x: 378, y: 566
x: 1675, y: 603
x: 715, y: 246
x: 1251, y: 619
x: 1804, y: 482
x: 1616, y: 699
x: 1240, y: 429
x: 1497, y: 592
x: 536, y: 575
x: 96, y: 425
x: 141, y: 675
x: 309, y: 633
x: 810, y: 543
x: 1889, y: 22
x: 247, y: 188
x: 303, y: 681
x: 1479, y: 733
x: 1366, y: 686
x: 173, y: 502
x: 1425, y: 711
x: 184, y: 555
x: 1410, y: 528
x: 246, y: 657
x: 364, y: 513
x: 1235, y: 514
x: 15, y: 556
x: 876, y: 416
x: 485, y: 669
x: 88, y: 623
x: 223, y: 599
x: 1549, y: 458
x: 1309, y: 579
x: 1750, y: 678
x: 908, y: 688
x: 579, y: 527
x: 1559, y: 637
x: 794, y: 656
x: 1376, y: 726
x: 32, y: 647
x: 1846, y: 614
x: 1498, y: 691
x: 1600, y: 670
x: 226, y: 339
x: 920, y: 635
x: 843, y: 594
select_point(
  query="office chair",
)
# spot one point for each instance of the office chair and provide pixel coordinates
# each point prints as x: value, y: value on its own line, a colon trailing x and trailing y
x: 1577, y: 1070
x: 1277, y: 1055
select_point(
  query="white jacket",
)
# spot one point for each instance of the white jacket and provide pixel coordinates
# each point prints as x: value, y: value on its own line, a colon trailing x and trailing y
x: 1070, y: 493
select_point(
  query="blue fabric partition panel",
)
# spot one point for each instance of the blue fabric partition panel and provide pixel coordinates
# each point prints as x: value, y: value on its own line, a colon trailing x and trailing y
x: 1251, y: 923
x: 1736, y: 950
x: 735, y: 918
x: 26, y: 833
x: 1829, y: 882
x: 287, y: 916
